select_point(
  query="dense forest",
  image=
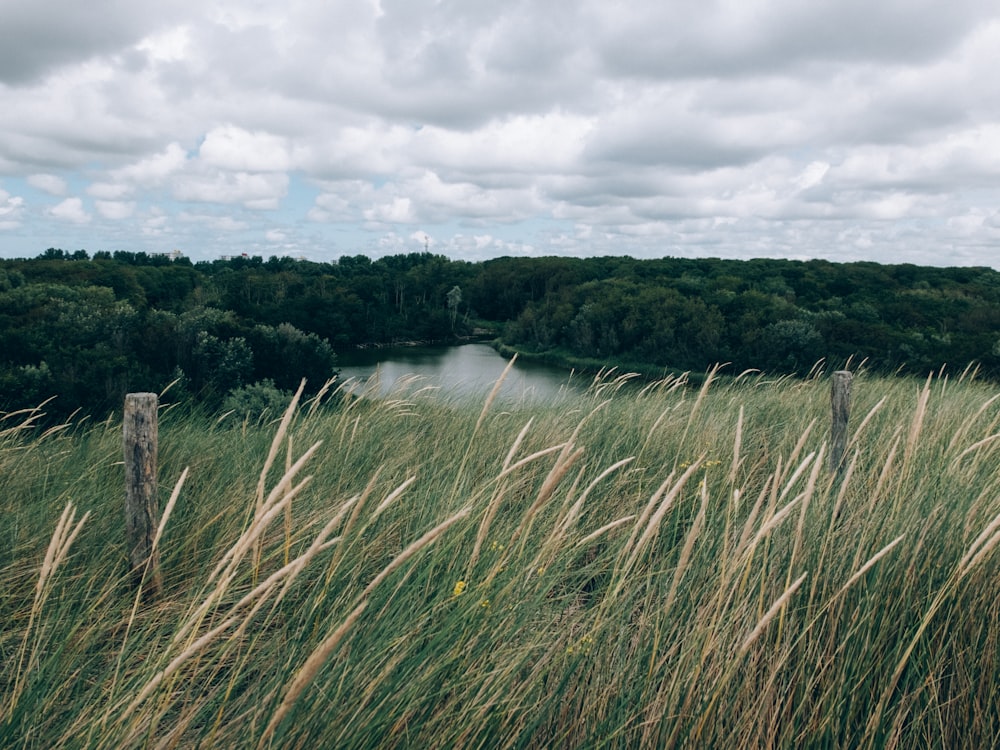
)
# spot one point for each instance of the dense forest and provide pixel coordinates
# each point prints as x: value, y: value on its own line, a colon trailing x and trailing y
x: 90, y: 328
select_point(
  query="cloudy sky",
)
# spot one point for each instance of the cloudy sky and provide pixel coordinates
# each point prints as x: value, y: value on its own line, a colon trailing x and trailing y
x: 838, y: 129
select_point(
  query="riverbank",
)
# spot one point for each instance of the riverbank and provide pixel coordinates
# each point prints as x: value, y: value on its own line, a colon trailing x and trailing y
x: 478, y: 336
x: 592, y: 366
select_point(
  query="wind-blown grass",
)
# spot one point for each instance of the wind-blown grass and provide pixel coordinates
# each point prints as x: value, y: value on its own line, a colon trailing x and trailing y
x: 635, y: 567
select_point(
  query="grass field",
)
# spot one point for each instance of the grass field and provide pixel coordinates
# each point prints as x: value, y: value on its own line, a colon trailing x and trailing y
x: 659, y: 566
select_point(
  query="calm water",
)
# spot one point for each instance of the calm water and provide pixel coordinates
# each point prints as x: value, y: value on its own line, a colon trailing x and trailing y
x: 467, y: 371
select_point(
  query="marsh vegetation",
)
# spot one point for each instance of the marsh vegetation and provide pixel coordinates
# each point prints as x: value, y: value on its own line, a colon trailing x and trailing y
x: 636, y: 566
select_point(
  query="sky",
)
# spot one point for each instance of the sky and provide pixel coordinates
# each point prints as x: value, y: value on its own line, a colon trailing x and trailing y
x: 838, y: 129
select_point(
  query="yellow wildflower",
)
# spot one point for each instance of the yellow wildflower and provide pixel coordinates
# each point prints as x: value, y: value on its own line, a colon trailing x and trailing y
x: 582, y: 647
x: 459, y: 588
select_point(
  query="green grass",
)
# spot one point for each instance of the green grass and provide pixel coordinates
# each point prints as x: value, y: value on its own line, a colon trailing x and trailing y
x: 656, y: 566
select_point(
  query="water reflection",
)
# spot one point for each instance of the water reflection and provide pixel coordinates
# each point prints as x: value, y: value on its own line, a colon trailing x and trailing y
x: 457, y: 372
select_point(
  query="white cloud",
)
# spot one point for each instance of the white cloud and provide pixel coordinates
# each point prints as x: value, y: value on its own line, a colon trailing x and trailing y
x: 484, y: 246
x: 108, y: 190
x: 155, y: 224
x: 71, y: 210
x: 255, y: 191
x: 233, y: 148
x: 521, y: 145
x: 38, y: 39
x: 11, y: 208
x: 170, y: 45
x: 216, y: 222
x: 116, y: 210
x: 154, y: 169
x: 48, y: 183
x: 398, y: 210
x: 765, y: 127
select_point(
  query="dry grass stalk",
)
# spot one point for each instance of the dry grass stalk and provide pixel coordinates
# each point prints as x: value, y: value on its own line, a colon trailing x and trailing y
x: 272, y: 454
x: 391, y: 498
x: 777, y: 607
x: 279, y: 436
x: 563, y: 463
x: 410, y: 551
x: 253, y: 533
x: 603, y: 530
x: 970, y: 372
x: 789, y: 483
x: 746, y: 554
x: 652, y: 430
x: 62, y: 539
x: 689, y: 541
x: 702, y: 392
x: 977, y: 551
x: 864, y: 422
x: 176, y: 664
x: 227, y: 572
x: 980, y: 546
x: 549, y: 549
x: 174, y: 494
x: 286, y: 479
x: 868, y: 565
x: 288, y: 507
x: 886, y: 473
x: 479, y: 423
x: 751, y: 520
x: 574, y: 512
x: 493, y: 394
x: 647, y: 511
x: 972, y: 449
x: 257, y: 596
x: 516, y: 446
x: 737, y: 444
x: 806, y: 498
x: 308, y: 672
x: 963, y: 429
x: 917, y: 424
x: 498, y: 494
x: 294, y: 567
x: 358, y: 503
x: 278, y: 498
x: 836, y: 598
x: 315, y: 401
x: 138, y: 594
x: 652, y: 526
x: 844, y: 484
x: 529, y: 459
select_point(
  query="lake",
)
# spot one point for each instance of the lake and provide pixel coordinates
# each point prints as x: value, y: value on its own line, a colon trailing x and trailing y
x: 459, y: 372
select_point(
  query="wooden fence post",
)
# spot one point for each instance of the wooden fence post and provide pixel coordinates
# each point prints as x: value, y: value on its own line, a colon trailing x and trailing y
x: 141, y: 511
x: 840, y: 401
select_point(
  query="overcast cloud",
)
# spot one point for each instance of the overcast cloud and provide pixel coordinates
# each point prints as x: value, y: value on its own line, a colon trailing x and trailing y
x: 838, y: 129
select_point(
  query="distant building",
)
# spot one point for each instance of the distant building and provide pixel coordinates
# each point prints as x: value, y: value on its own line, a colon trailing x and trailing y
x: 173, y: 254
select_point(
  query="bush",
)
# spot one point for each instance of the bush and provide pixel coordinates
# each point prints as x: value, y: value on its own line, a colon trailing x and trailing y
x: 257, y: 400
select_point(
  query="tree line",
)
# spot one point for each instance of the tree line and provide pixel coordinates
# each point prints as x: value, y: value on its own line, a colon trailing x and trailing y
x: 91, y: 328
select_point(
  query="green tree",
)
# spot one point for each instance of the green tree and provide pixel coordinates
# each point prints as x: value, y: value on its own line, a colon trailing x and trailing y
x: 454, y: 300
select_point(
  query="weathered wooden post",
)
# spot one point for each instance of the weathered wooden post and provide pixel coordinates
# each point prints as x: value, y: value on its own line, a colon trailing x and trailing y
x: 840, y: 400
x: 141, y: 511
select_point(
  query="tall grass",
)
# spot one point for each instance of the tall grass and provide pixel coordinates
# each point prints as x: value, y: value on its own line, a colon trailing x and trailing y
x: 635, y: 567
